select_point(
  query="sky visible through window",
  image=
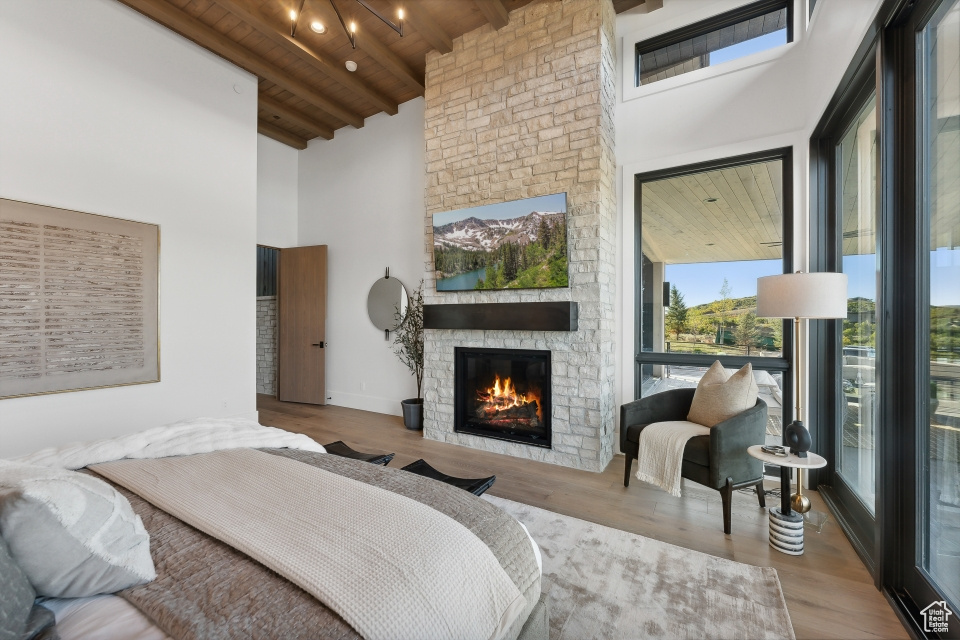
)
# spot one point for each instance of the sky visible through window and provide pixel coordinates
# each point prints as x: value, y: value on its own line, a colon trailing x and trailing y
x: 762, y: 43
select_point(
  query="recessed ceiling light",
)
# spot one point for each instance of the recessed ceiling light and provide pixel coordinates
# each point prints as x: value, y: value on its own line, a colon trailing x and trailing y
x: 710, y: 200
x: 317, y: 27
x: 351, y: 65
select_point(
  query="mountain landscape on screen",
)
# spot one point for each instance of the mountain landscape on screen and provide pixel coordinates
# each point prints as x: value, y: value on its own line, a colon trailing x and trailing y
x: 513, y: 245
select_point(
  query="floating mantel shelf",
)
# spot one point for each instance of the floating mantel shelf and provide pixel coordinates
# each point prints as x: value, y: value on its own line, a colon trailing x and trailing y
x: 515, y: 316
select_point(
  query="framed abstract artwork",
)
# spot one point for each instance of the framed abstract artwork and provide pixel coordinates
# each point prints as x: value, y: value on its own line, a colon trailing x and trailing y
x: 78, y: 300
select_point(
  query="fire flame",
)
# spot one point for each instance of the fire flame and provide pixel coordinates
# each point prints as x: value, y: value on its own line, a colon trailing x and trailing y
x: 504, y: 396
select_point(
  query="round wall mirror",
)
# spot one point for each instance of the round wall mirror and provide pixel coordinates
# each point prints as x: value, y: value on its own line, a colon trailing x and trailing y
x: 385, y: 297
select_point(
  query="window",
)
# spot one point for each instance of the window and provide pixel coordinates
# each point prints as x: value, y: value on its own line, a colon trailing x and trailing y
x: 267, y: 271
x: 857, y: 206
x: 939, y: 136
x: 735, y: 34
x: 706, y: 234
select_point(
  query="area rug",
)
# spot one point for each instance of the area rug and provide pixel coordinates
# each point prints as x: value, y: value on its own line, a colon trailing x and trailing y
x: 606, y: 583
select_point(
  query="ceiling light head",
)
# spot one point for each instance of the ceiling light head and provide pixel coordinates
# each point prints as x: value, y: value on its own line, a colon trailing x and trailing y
x: 317, y: 27
x: 353, y: 27
x: 351, y: 65
x: 400, y: 13
x: 293, y: 14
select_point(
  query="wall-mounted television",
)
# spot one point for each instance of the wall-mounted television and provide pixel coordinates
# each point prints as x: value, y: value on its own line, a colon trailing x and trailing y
x: 511, y: 245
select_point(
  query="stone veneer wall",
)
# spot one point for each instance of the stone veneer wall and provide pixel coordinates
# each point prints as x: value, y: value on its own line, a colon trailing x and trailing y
x: 516, y: 113
x: 267, y: 345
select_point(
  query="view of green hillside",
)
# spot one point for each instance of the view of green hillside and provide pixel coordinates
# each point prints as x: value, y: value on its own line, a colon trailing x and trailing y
x: 724, y: 326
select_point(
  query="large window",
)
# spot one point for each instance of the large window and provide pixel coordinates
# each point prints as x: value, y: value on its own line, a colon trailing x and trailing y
x: 885, y: 209
x: 857, y: 160
x: 939, y: 136
x: 705, y: 235
x: 746, y: 30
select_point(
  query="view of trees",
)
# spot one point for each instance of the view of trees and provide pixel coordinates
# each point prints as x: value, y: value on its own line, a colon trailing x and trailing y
x: 542, y: 263
x: 677, y: 314
x: 729, y: 324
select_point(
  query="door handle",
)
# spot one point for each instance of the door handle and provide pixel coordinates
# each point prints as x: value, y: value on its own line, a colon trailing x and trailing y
x: 318, y: 344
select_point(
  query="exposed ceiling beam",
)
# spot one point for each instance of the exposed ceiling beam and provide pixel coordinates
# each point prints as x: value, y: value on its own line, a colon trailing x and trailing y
x: 653, y: 5
x: 368, y: 43
x: 209, y: 38
x: 278, y: 134
x: 494, y: 11
x: 252, y: 15
x: 424, y: 24
x: 293, y: 116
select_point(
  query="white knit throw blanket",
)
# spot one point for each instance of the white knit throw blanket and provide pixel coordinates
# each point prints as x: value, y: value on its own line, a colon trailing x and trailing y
x: 390, y: 566
x: 660, y: 458
x: 201, y: 435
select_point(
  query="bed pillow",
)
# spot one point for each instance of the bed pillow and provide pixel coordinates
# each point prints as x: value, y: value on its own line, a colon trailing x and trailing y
x: 720, y: 396
x: 73, y: 535
x: 17, y: 597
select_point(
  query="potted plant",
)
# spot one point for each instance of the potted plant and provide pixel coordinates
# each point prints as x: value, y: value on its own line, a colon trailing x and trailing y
x: 408, y: 345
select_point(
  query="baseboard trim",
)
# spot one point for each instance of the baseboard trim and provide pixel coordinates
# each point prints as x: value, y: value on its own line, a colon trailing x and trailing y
x: 376, y: 404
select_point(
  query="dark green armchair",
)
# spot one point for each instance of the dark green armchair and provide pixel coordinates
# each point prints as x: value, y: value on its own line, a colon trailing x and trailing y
x: 719, y: 460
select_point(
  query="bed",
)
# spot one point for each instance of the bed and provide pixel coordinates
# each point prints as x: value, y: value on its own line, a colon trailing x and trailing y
x: 219, y: 576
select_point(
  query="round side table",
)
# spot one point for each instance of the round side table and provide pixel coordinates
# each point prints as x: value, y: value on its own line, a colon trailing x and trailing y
x: 786, y: 525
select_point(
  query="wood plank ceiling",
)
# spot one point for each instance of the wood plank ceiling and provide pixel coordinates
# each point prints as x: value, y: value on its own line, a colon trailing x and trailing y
x: 305, y: 90
x: 715, y: 216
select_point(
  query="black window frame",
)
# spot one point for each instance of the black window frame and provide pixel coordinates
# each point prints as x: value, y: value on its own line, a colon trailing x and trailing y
x: 708, y: 25
x: 890, y: 547
x: 783, y: 364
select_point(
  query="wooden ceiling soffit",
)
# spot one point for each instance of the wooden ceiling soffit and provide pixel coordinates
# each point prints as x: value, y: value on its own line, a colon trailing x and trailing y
x: 278, y: 134
x: 295, y: 117
x: 250, y: 14
x: 424, y: 24
x: 209, y: 38
x: 494, y: 11
x: 625, y: 5
x: 368, y: 42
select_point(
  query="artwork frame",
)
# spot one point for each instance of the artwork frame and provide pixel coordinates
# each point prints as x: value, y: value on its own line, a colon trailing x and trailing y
x: 498, y: 247
x: 79, y: 301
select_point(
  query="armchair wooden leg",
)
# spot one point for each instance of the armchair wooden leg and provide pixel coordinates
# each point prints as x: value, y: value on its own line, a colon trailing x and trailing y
x: 726, y: 494
x: 627, y: 463
x: 760, y: 495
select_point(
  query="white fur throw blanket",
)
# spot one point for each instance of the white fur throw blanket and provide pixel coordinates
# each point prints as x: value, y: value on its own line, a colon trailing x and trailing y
x: 660, y: 458
x: 390, y: 566
x: 202, y: 435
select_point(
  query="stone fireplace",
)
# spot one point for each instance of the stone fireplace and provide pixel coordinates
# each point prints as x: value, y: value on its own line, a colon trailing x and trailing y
x: 516, y: 113
x: 503, y: 394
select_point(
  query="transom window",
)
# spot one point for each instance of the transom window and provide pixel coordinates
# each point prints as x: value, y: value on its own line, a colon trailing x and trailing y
x: 755, y: 27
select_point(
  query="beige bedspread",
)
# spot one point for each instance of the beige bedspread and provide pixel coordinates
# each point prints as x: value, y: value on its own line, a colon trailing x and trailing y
x: 382, y: 562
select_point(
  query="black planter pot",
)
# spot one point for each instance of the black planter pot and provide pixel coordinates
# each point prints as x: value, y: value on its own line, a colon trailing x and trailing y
x: 412, y: 413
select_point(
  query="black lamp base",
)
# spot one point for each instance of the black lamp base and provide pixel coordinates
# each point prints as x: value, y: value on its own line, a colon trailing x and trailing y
x: 797, y: 438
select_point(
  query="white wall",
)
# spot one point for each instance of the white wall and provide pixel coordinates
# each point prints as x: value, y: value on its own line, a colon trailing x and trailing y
x: 770, y: 100
x: 276, y: 193
x: 362, y: 194
x: 107, y: 112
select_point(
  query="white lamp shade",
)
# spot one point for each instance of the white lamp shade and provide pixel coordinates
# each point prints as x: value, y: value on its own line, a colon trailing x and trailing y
x: 802, y: 295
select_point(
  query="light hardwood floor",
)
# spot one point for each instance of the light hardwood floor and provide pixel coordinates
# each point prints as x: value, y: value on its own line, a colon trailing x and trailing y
x: 829, y: 592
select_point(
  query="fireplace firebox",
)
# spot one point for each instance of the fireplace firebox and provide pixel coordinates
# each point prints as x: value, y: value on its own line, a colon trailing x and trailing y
x: 503, y: 394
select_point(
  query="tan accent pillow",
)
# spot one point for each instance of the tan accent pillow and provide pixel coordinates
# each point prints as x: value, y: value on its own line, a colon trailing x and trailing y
x: 720, y: 396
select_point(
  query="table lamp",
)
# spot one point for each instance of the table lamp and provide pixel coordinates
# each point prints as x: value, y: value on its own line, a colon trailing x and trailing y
x: 801, y: 296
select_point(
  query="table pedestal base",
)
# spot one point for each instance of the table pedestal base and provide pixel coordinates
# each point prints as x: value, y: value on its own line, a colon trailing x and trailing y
x: 786, y: 532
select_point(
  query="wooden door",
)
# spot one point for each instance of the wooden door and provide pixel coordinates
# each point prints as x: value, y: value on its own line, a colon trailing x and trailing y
x: 301, y: 324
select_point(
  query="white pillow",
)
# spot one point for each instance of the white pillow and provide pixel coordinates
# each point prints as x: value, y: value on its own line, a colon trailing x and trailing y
x: 720, y: 396
x: 73, y: 535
